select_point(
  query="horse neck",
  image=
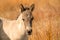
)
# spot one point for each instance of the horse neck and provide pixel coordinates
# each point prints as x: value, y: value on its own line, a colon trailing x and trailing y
x: 20, y: 22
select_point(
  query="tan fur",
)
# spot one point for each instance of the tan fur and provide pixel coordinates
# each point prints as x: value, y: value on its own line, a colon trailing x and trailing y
x: 14, y: 29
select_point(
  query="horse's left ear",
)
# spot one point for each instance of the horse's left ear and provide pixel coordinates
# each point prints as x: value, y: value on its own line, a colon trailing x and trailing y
x: 22, y: 7
x: 32, y: 7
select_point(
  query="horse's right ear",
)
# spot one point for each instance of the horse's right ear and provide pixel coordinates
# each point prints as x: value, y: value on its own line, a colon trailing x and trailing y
x: 32, y: 7
x: 22, y: 7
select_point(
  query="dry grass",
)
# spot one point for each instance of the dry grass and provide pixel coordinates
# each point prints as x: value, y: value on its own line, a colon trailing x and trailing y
x: 46, y: 23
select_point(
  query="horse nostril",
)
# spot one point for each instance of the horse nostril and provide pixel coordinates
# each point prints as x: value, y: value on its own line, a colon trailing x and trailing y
x: 29, y: 32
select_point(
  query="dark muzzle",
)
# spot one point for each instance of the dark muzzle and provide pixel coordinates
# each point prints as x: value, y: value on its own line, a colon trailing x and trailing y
x: 29, y: 32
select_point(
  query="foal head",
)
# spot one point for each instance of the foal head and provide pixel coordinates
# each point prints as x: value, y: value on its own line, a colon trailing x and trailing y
x: 27, y: 17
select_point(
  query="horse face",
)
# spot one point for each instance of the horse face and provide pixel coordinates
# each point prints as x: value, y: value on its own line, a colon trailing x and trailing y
x: 27, y: 18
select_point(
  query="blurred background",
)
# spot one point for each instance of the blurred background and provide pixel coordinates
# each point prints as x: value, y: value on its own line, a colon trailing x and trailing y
x: 46, y: 22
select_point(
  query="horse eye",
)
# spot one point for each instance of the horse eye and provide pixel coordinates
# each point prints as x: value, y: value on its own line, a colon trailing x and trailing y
x: 23, y: 19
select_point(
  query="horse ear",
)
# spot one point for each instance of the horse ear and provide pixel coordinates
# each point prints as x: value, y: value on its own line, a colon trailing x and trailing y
x: 22, y: 7
x: 32, y: 7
